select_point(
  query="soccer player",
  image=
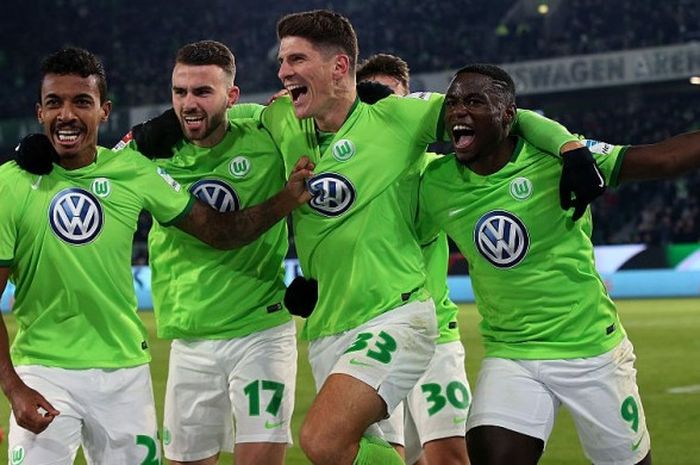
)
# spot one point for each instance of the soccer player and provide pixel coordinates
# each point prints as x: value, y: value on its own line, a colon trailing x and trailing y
x: 233, y: 354
x: 77, y: 372
x: 436, y: 408
x: 373, y: 329
x: 551, y: 333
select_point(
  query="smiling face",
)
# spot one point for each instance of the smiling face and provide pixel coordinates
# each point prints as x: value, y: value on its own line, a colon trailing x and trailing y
x: 201, y: 94
x: 478, y: 115
x: 71, y: 113
x: 308, y: 73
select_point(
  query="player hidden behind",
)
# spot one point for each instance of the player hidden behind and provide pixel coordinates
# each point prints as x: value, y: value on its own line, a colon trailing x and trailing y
x: 77, y: 372
x: 233, y: 356
x: 432, y: 418
x: 551, y: 333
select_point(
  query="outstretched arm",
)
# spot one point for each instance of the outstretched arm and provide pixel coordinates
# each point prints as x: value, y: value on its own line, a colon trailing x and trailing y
x: 236, y: 229
x: 669, y: 158
x: 25, y: 401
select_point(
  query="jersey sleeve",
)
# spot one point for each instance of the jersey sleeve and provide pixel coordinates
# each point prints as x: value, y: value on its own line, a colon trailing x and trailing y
x: 428, y: 108
x: 163, y: 197
x: 8, y: 223
x: 245, y: 110
x: 544, y: 133
x: 609, y: 159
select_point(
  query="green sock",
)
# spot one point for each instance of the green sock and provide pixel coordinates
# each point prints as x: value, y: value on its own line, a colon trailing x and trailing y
x: 376, y: 451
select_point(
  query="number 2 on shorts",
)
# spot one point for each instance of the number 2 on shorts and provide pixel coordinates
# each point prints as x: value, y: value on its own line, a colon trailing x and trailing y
x: 384, y: 345
x: 150, y: 444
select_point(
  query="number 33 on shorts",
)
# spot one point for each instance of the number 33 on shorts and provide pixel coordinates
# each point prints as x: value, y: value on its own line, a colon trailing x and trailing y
x: 380, y: 347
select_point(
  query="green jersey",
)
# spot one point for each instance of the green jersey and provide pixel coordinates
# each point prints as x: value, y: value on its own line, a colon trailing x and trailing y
x: 67, y: 239
x: 203, y: 293
x: 357, y: 236
x: 532, y: 267
x: 436, y: 255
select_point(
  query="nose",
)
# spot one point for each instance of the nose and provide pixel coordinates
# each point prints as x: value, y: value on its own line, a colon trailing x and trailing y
x: 285, y: 71
x: 188, y: 101
x: 66, y: 113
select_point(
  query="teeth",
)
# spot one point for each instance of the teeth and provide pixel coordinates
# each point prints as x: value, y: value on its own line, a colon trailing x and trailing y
x: 193, y: 119
x: 294, y: 87
x: 461, y: 127
x: 68, y: 136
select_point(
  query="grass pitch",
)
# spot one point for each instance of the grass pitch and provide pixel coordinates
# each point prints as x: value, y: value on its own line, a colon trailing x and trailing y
x: 665, y: 334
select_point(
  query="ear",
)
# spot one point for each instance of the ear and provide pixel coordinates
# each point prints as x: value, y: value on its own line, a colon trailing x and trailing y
x: 105, y: 110
x: 342, y: 66
x: 234, y: 94
x: 39, y: 114
x: 509, y: 115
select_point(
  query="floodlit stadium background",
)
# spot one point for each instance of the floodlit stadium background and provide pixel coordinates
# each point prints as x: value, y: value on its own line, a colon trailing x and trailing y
x: 617, y: 71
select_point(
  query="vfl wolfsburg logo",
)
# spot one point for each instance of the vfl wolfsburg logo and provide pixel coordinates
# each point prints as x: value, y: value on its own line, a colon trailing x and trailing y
x: 75, y: 216
x: 239, y: 167
x: 521, y: 188
x: 217, y: 194
x: 101, y: 187
x: 501, y: 238
x: 17, y: 455
x: 343, y: 150
x: 333, y: 194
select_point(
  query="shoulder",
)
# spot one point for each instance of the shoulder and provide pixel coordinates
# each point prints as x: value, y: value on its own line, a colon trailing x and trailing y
x: 12, y: 177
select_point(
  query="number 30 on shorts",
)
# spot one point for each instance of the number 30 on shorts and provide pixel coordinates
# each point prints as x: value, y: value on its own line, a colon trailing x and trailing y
x: 383, y: 346
x: 456, y: 393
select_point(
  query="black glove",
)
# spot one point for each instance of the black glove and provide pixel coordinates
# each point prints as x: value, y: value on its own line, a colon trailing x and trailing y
x: 301, y: 296
x: 156, y: 137
x: 35, y: 154
x: 581, y: 177
x: 371, y: 91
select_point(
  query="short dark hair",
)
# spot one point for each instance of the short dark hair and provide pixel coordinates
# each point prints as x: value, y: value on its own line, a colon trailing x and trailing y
x: 77, y: 61
x: 208, y: 52
x: 502, y: 81
x: 385, y: 64
x: 323, y: 28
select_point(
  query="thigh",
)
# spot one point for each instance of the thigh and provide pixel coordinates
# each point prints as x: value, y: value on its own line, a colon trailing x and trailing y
x: 602, y: 395
x: 120, y: 425
x: 58, y: 443
x: 198, y: 413
x: 262, y: 386
x: 391, y: 352
x: 440, y: 401
x: 510, y: 395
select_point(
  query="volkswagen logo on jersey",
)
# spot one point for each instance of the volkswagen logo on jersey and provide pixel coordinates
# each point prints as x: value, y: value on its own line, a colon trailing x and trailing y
x: 75, y: 216
x: 501, y: 238
x: 333, y: 194
x: 217, y: 194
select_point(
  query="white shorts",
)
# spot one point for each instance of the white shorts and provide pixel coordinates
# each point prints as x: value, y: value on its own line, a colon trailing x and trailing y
x: 111, y: 413
x: 600, y: 393
x: 437, y: 406
x: 213, y: 383
x: 389, y: 353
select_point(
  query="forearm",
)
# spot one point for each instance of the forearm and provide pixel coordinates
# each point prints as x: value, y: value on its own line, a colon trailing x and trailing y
x: 8, y: 376
x: 235, y: 229
x: 672, y: 157
x: 544, y: 133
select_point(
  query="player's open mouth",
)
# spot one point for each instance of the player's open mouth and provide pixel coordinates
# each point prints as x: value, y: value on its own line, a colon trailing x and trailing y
x: 67, y: 137
x: 193, y: 122
x: 462, y: 136
x: 296, y: 91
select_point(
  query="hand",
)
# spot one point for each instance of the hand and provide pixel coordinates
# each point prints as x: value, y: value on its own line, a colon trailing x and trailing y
x: 581, y: 177
x: 157, y: 137
x: 296, y: 184
x: 301, y: 296
x: 35, y: 154
x: 26, y: 403
x: 276, y: 95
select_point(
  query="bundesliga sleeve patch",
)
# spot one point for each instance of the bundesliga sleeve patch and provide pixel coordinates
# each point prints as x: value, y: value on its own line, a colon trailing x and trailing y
x: 128, y: 137
x: 169, y: 179
x: 420, y: 95
x: 601, y: 148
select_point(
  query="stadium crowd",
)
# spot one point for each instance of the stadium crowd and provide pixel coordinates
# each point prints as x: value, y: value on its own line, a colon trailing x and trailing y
x: 137, y: 41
